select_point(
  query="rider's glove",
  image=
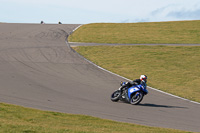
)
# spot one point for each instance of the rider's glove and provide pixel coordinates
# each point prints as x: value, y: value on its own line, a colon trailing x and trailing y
x: 127, y: 84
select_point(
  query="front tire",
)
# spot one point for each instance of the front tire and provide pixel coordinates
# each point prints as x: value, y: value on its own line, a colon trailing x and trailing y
x: 115, y: 96
x: 136, y: 98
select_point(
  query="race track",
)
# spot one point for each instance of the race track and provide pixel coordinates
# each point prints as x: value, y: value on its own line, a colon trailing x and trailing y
x: 38, y: 69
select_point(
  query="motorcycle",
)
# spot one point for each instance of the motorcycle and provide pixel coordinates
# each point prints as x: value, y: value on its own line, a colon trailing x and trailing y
x: 133, y: 94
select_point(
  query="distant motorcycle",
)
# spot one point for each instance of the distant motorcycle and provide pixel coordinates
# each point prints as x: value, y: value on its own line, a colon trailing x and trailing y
x: 133, y: 94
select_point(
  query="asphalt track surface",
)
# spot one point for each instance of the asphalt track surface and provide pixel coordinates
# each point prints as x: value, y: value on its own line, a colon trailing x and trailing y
x: 38, y: 69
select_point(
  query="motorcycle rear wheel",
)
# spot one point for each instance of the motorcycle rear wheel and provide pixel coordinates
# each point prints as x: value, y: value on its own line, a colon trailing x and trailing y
x: 115, y: 96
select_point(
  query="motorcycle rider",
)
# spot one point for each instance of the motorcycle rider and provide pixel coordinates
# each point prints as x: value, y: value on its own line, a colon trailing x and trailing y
x: 142, y: 80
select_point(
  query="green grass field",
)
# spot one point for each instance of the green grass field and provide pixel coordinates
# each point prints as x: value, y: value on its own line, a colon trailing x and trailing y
x: 16, y: 119
x: 173, y: 69
x: 180, y: 32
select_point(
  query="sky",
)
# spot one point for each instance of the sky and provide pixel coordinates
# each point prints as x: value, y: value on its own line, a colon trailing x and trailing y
x: 98, y: 11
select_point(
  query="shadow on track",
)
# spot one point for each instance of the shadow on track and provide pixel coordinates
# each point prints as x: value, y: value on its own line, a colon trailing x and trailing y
x: 162, y: 106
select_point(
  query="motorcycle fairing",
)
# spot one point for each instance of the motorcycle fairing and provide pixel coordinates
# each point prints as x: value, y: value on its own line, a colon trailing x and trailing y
x: 133, y: 89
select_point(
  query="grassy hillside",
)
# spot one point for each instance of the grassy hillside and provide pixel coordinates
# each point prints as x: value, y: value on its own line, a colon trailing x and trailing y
x: 15, y: 119
x: 180, y: 32
x: 173, y: 69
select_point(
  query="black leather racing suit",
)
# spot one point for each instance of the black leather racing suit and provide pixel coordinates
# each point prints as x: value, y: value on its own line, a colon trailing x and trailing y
x: 134, y: 82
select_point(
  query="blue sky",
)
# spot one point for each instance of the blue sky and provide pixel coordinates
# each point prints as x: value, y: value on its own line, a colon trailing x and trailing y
x: 98, y: 11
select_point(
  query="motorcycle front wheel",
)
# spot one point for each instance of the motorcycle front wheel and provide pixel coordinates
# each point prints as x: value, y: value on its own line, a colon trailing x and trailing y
x: 136, y: 98
x: 115, y: 96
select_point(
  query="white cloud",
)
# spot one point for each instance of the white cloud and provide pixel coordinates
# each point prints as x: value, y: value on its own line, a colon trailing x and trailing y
x: 177, y: 12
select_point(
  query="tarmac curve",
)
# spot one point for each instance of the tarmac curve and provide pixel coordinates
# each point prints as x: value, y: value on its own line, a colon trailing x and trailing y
x: 38, y: 69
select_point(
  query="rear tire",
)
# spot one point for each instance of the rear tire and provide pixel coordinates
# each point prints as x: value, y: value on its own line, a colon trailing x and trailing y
x: 136, y: 98
x: 115, y: 96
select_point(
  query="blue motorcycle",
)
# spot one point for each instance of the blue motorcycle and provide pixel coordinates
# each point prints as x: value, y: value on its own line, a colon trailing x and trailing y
x: 133, y: 94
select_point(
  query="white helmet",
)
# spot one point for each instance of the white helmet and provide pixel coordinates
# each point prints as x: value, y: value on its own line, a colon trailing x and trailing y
x: 143, y: 78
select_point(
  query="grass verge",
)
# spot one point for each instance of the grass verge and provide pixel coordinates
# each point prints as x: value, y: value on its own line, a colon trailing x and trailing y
x: 180, y: 32
x: 173, y: 69
x: 16, y: 119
